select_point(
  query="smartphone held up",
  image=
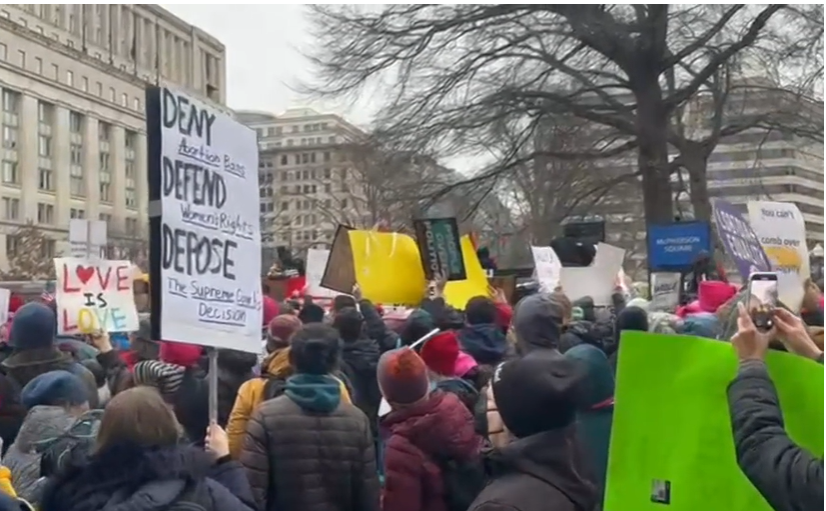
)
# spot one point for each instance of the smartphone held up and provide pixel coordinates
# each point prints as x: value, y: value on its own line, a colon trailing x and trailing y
x: 762, y: 299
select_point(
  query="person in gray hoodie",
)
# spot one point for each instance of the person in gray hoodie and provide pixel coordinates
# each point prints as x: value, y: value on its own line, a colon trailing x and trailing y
x: 54, y: 401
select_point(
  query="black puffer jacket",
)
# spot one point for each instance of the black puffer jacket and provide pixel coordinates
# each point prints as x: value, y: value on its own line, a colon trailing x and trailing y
x: 234, y: 368
x: 788, y: 477
x: 129, y: 478
x: 359, y: 360
x: 308, y: 451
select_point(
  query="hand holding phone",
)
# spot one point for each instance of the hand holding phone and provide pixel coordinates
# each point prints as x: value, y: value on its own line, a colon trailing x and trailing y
x: 762, y: 299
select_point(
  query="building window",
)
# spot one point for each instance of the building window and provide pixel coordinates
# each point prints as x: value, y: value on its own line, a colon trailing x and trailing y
x: 45, y: 179
x: 132, y: 226
x: 130, y: 166
x: 105, y: 177
x: 106, y: 217
x: 10, y: 175
x: 100, y: 89
x: 44, y: 146
x: 45, y: 113
x: 4, y: 52
x: 76, y: 155
x: 38, y: 65
x: 45, y: 213
x: 112, y: 94
x: 9, y: 137
x: 11, y: 208
x: 75, y: 122
x: 55, y: 72
x: 104, y: 129
x: 70, y: 79
x: 22, y: 55
x: 77, y: 213
x: 137, y: 103
x: 11, y: 101
x: 124, y: 99
x: 85, y: 86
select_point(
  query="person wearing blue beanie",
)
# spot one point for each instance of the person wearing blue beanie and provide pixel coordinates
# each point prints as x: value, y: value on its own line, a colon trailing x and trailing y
x: 55, y: 388
x: 34, y: 353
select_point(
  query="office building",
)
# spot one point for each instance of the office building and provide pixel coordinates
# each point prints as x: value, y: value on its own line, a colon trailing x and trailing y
x: 72, y: 80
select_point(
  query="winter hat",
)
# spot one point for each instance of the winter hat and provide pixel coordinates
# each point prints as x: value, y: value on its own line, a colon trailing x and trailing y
x: 402, y: 376
x: 538, y: 392
x: 34, y: 326
x: 349, y: 322
x: 631, y: 318
x: 464, y: 363
x: 664, y: 323
x: 270, y: 310
x: 311, y: 313
x: 342, y: 301
x: 167, y: 378
x: 178, y: 353
x: 55, y: 388
x: 598, y: 376
x: 712, y: 294
x: 280, y: 330
x: 537, y: 323
x: 440, y: 353
x: 703, y: 324
x: 641, y: 303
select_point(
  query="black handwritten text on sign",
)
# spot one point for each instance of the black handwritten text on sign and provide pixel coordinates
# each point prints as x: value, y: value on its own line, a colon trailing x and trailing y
x: 188, y: 118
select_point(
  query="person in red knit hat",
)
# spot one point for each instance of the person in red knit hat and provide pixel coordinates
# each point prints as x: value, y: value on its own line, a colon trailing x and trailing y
x: 441, y: 354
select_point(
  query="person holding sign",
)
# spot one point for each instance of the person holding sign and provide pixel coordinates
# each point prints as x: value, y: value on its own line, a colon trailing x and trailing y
x: 788, y: 477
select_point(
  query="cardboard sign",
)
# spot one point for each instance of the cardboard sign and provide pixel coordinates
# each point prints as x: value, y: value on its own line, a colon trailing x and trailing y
x: 547, y: 268
x: 597, y: 280
x: 665, y: 294
x: 440, y: 248
x: 671, y: 427
x: 95, y: 295
x: 339, y: 273
x: 781, y: 231
x: 87, y: 238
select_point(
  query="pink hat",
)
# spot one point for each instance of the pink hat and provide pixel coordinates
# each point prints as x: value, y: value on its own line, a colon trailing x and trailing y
x: 712, y: 294
x: 464, y: 363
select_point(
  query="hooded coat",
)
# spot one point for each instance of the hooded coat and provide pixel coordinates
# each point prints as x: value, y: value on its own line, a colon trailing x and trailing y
x: 440, y: 427
x: 307, y: 450
x: 539, y: 473
x: 359, y: 360
x: 535, y: 324
x: 130, y: 478
x: 486, y: 343
x: 597, y: 413
x: 42, y: 423
x: 251, y: 394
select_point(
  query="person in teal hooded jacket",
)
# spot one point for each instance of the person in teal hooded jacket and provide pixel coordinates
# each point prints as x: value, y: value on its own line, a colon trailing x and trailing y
x: 308, y: 449
x: 597, y: 407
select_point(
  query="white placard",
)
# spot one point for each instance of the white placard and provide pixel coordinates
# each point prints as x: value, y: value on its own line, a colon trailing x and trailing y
x: 597, y: 280
x: 209, y: 240
x: 781, y: 230
x: 665, y: 291
x: 316, y: 263
x: 5, y: 298
x: 94, y: 294
x: 87, y: 238
x: 547, y: 268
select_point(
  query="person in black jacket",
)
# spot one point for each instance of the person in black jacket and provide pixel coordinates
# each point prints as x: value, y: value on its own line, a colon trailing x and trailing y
x: 788, y: 477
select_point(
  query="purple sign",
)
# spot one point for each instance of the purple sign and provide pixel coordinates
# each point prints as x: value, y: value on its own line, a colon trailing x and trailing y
x: 740, y: 241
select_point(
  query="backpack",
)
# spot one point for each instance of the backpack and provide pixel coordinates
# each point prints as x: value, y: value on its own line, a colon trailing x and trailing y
x: 273, y: 388
x: 78, y: 440
x: 463, y: 482
x: 479, y: 408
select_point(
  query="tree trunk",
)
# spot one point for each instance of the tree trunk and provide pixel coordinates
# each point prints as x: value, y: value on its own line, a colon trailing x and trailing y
x: 695, y: 161
x: 652, y: 127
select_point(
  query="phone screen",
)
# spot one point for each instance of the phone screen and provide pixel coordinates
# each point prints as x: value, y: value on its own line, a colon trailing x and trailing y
x: 762, y: 300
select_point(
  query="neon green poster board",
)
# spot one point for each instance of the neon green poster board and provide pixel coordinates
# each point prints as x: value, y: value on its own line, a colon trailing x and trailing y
x: 672, y: 423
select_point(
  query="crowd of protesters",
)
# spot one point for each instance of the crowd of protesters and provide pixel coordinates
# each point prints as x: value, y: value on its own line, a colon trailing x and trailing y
x: 504, y: 409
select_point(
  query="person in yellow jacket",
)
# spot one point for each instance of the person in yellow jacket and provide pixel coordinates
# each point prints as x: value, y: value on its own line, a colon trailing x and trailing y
x: 8, y: 497
x: 275, y: 369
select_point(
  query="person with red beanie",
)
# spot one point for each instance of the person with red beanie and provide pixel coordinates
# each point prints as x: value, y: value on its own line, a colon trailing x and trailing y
x: 425, y: 430
x: 440, y: 354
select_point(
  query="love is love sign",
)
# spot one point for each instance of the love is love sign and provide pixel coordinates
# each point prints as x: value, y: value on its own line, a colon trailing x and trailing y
x: 94, y: 295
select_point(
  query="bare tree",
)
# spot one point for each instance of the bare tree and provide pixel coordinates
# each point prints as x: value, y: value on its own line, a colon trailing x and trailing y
x: 129, y: 247
x: 459, y: 72
x: 30, y: 253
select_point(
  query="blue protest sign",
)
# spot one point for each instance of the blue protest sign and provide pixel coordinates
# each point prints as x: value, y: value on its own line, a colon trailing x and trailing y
x: 674, y: 247
x: 739, y: 239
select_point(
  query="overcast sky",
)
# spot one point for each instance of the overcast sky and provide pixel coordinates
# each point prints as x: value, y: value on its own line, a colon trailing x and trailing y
x: 263, y: 57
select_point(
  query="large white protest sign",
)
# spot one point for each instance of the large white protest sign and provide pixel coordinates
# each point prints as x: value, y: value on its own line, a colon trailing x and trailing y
x: 87, y: 238
x: 205, y: 237
x: 781, y: 231
x: 316, y: 263
x: 598, y: 280
x: 547, y: 268
x: 94, y: 294
x: 665, y: 291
